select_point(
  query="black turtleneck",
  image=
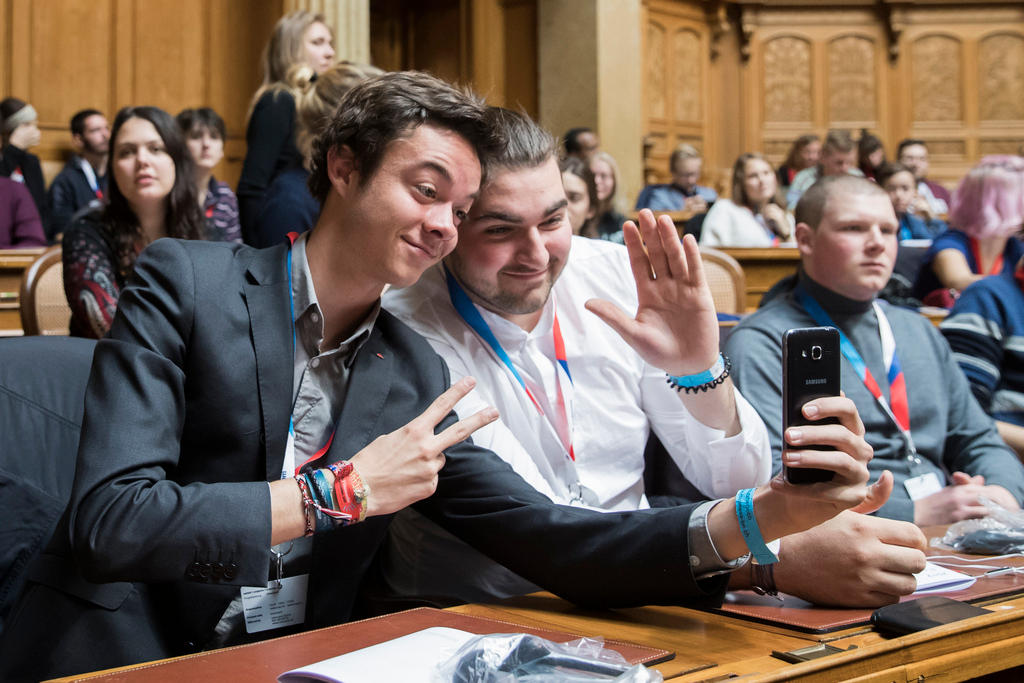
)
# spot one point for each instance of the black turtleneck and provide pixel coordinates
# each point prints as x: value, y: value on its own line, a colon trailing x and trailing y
x: 857, y: 320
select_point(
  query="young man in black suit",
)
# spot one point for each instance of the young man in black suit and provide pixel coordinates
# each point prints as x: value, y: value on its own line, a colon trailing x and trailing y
x: 233, y: 377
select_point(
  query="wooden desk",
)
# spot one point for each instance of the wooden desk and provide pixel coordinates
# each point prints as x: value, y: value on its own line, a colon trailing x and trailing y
x: 708, y: 647
x: 13, y: 263
x: 711, y: 648
x: 763, y: 267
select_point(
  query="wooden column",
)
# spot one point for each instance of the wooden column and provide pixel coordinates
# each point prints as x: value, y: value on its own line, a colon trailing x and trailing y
x: 590, y: 75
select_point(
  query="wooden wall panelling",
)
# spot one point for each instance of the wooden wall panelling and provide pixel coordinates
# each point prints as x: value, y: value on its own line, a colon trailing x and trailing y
x: 65, y: 55
x: 965, y: 71
x: 810, y: 70
x: 676, y: 63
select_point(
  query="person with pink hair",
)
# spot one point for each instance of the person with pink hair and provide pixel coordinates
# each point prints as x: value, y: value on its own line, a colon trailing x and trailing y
x: 987, y: 213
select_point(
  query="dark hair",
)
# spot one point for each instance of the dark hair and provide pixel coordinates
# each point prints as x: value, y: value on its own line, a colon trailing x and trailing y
x: 811, y: 207
x: 571, y: 141
x: 889, y: 169
x: 518, y: 141
x: 867, y: 145
x: 797, y: 147
x: 390, y: 106
x: 78, y: 120
x: 182, y: 219
x: 909, y: 142
x: 202, y: 118
x: 10, y: 105
x: 581, y: 169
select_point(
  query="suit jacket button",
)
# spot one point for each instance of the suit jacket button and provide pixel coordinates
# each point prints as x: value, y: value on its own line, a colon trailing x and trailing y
x: 193, y: 571
x: 204, y: 571
x: 217, y: 571
x: 230, y: 571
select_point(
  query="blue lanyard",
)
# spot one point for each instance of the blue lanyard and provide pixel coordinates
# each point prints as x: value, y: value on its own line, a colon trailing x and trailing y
x: 465, y: 308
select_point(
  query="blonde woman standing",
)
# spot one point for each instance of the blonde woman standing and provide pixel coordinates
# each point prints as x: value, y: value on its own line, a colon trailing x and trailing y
x: 300, y: 39
x: 287, y: 205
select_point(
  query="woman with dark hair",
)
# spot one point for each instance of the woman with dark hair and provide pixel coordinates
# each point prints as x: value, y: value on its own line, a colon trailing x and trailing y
x: 150, y: 195
x: 204, y: 133
x: 803, y: 154
x: 581, y: 193
x: 300, y: 39
x: 870, y: 154
x: 19, y: 132
x: 755, y: 216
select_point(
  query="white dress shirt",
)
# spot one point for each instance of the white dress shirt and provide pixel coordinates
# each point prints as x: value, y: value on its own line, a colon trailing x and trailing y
x: 614, y: 402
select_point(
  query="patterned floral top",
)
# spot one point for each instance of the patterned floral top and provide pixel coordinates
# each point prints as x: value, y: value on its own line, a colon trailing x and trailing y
x: 221, y: 211
x: 92, y: 279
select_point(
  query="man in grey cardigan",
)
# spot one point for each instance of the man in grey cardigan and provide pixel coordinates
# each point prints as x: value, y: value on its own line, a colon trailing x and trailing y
x: 951, y: 454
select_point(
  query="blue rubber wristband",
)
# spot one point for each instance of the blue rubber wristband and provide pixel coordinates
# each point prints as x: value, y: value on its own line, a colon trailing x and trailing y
x: 751, y: 532
x: 709, y: 375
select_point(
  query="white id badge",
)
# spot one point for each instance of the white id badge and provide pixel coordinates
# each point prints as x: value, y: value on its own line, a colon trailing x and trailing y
x: 282, y: 603
x: 923, y: 486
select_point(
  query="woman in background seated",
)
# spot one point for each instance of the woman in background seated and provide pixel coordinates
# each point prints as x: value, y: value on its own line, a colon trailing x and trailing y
x: 581, y: 192
x: 986, y: 215
x: 151, y: 194
x: 20, y: 226
x: 899, y: 183
x: 803, y: 154
x: 288, y: 205
x: 19, y: 132
x: 300, y: 38
x: 609, y: 219
x: 755, y: 216
x: 870, y: 154
x: 204, y: 135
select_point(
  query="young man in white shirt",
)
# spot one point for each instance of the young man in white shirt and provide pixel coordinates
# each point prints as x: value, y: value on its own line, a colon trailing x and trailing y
x: 536, y: 316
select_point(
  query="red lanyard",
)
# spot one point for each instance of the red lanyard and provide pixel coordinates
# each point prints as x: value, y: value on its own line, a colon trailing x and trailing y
x: 997, y: 265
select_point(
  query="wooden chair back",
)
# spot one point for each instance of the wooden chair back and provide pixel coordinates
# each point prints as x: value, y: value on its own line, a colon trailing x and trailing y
x: 44, y: 306
x: 726, y: 280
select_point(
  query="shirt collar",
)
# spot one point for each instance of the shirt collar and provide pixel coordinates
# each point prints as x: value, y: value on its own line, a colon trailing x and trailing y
x: 309, y: 319
x: 510, y: 335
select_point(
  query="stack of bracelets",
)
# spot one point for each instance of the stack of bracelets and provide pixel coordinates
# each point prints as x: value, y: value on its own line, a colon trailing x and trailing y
x: 326, y: 507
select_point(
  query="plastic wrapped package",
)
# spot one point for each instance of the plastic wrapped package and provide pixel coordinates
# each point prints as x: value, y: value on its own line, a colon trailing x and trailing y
x: 521, y: 658
x: 1000, y: 533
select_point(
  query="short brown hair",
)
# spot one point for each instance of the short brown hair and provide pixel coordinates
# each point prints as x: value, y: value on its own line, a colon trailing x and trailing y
x: 681, y: 152
x: 811, y: 207
x: 838, y: 141
x: 518, y: 141
x: 390, y: 106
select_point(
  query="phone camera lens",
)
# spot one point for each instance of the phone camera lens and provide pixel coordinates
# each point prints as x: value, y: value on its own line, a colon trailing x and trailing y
x: 815, y: 353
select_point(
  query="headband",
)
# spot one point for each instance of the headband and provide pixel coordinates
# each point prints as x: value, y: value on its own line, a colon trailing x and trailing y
x: 26, y: 114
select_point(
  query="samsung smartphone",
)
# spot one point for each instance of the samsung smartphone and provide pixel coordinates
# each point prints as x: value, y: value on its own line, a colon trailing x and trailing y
x: 810, y: 370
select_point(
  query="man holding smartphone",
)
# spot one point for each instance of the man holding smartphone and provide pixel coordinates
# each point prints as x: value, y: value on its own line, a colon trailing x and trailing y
x: 522, y: 270
x: 920, y: 416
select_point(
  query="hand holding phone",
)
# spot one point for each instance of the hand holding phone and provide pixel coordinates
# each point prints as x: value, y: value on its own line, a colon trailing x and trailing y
x: 810, y: 370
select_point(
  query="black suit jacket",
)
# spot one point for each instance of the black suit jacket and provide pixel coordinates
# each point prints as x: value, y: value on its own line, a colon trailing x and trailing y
x: 186, y: 420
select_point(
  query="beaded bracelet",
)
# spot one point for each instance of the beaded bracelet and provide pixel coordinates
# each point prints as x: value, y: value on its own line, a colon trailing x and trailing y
x: 307, y: 506
x: 702, y: 381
